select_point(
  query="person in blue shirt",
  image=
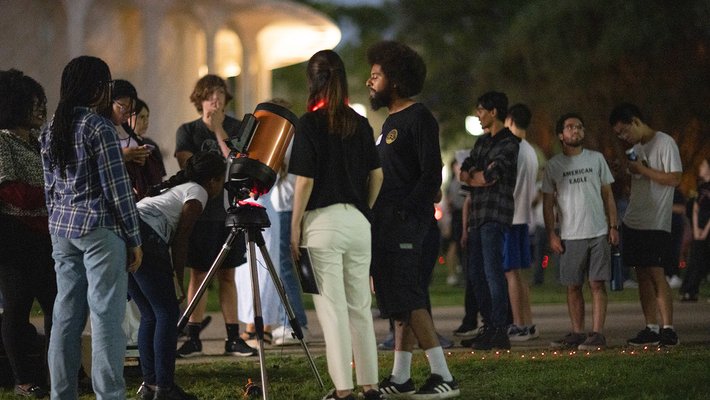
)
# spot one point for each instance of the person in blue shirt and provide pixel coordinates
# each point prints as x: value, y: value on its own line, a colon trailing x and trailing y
x: 93, y: 222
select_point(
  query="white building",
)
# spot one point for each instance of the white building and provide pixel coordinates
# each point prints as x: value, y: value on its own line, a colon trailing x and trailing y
x: 163, y: 47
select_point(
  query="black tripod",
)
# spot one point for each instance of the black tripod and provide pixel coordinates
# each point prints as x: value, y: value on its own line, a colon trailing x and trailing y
x: 252, y: 219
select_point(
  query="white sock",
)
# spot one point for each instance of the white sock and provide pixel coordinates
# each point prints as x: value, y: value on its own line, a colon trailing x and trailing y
x: 654, y: 327
x: 402, y: 366
x: 437, y: 363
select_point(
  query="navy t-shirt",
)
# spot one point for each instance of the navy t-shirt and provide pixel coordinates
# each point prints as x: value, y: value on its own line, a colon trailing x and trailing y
x: 339, y: 166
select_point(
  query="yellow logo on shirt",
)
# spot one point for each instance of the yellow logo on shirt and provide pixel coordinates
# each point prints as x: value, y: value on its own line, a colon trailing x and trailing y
x: 391, y: 136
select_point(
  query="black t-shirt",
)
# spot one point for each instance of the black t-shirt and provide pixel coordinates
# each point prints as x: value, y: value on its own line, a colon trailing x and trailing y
x: 339, y: 166
x: 194, y: 136
x: 411, y: 160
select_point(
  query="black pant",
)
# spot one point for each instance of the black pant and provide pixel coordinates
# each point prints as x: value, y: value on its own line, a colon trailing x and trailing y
x: 26, y: 273
x: 697, y: 267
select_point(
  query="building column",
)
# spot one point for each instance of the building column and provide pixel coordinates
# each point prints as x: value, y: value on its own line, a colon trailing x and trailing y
x: 76, y: 11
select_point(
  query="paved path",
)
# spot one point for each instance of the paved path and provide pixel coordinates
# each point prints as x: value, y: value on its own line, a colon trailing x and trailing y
x: 624, y: 320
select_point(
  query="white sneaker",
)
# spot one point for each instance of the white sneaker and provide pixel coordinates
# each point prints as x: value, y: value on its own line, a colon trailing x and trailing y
x: 674, y: 282
x: 631, y: 284
x: 285, y: 337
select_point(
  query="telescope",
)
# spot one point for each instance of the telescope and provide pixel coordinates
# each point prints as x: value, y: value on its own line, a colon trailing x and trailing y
x: 259, y: 150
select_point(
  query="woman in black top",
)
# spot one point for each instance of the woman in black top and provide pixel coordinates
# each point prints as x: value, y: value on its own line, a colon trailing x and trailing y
x: 338, y: 178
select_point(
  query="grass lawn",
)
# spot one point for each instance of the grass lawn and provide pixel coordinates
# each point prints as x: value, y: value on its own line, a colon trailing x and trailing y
x: 618, y: 373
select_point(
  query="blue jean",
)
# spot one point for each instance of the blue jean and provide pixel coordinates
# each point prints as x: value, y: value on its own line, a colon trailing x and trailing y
x: 286, y: 273
x: 153, y: 290
x: 485, y: 272
x: 91, y: 280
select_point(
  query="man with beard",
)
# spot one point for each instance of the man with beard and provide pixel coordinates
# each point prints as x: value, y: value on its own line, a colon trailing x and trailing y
x: 577, y: 183
x: 490, y: 171
x: 411, y: 163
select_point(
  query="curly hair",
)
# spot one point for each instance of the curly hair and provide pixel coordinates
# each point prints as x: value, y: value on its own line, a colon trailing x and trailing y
x: 403, y: 67
x: 204, y: 88
x: 200, y: 168
x: 19, y: 94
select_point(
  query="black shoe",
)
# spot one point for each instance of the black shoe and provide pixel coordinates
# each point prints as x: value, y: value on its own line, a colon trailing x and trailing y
x: 466, y: 331
x: 145, y: 392
x: 495, y: 338
x: 436, y: 387
x: 238, y: 347
x: 646, y: 337
x: 390, y: 389
x: 669, y: 337
x: 173, y: 393
x: 571, y: 340
x: 479, y: 336
x: 33, y: 391
x: 190, y: 348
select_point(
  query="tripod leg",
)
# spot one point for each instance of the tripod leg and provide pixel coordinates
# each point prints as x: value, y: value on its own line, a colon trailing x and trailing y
x: 298, y: 332
x: 226, y: 247
x: 258, y: 319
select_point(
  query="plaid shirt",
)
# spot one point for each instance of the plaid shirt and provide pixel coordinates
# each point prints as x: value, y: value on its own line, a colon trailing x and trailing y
x: 96, y: 192
x: 497, y: 157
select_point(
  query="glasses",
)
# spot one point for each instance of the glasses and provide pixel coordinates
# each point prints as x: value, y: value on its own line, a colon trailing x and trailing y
x: 572, y: 127
x: 122, y: 107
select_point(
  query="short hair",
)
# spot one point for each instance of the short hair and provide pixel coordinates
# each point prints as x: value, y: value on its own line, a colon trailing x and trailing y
x: 18, y: 95
x: 560, y: 125
x: 521, y: 115
x: 204, y: 88
x: 495, y: 100
x: 624, y: 112
x: 403, y: 67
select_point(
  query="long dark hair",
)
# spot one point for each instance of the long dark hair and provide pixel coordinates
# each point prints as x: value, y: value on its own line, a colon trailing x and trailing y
x: 85, y: 82
x: 327, y: 83
x: 200, y: 168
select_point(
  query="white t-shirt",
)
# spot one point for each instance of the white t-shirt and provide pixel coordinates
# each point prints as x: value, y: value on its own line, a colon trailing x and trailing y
x: 282, y: 192
x: 162, y: 212
x: 577, y: 181
x: 525, y: 189
x: 650, y: 204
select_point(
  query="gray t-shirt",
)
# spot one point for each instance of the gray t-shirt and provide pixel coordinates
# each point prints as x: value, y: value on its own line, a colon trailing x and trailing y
x: 577, y: 181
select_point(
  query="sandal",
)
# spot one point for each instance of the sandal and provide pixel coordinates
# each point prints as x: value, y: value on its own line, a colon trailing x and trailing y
x: 250, y: 338
x: 32, y: 391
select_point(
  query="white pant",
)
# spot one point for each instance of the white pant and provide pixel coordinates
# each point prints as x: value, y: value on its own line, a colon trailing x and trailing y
x: 338, y: 238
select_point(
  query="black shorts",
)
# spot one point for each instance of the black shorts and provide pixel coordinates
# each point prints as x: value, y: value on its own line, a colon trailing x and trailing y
x: 396, y: 263
x: 645, y: 248
x: 206, y: 242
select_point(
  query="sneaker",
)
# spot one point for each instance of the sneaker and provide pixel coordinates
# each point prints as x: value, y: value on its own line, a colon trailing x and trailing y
x: 569, y: 341
x: 477, y: 338
x: 466, y: 331
x: 493, y: 339
x: 238, y: 347
x: 285, y: 337
x: 32, y: 391
x: 145, y: 392
x: 674, y: 282
x: 436, y: 387
x: 631, y: 284
x: 689, y: 298
x: 390, y: 389
x: 444, y: 342
x: 595, y: 341
x: 191, y: 348
x: 332, y: 395
x: 173, y: 393
x: 669, y: 337
x: 372, y: 394
x: 645, y: 337
x: 522, y: 334
x: 388, y: 343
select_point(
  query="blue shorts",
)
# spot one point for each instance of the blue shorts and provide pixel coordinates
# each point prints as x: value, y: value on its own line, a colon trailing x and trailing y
x: 516, y: 248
